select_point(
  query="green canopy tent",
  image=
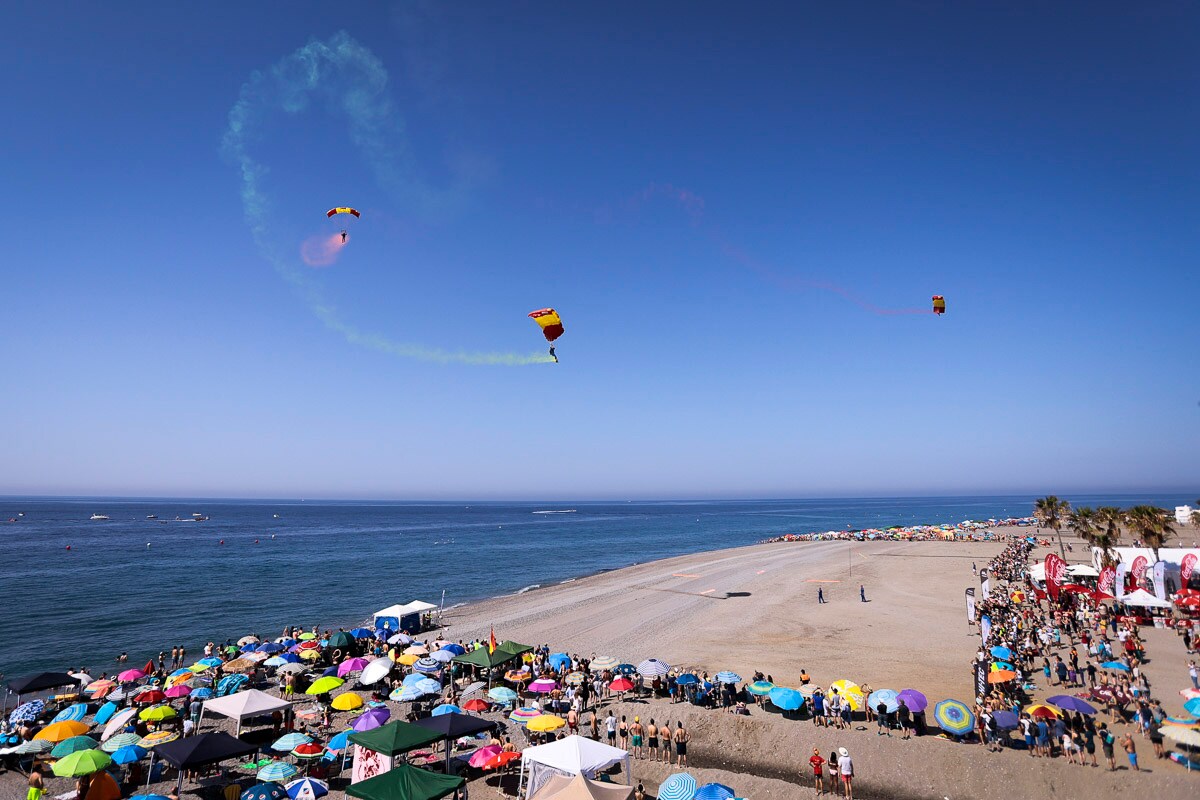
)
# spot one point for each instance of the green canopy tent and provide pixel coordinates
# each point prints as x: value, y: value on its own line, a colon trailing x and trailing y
x: 509, y: 646
x: 406, y: 782
x: 395, y: 737
x: 480, y: 657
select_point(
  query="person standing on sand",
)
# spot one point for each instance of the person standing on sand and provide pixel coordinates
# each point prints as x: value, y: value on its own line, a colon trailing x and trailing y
x: 665, y: 734
x: 610, y: 728
x: 820, y: 595
x: 862, y: 593
x: 652, y: 741
x: 681, y: 743
x: 37, y: 786
x: 846, y: 768
x: 1131, y: 752
x: 635, y: 736
x: 832, y: 767
x: 818, y: 767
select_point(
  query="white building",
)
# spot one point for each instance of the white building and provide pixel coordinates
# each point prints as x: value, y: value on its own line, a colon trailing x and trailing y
x: 1183, y: 515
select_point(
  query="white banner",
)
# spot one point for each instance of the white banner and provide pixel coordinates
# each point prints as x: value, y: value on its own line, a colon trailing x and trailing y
x: 986, y: 588
x: 1160, y: 583
x: 985, y: 628
x: 368, y: 764
x: 971, y: 606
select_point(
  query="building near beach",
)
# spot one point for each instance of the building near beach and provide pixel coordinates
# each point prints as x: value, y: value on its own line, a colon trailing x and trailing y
x: 1183, y: 515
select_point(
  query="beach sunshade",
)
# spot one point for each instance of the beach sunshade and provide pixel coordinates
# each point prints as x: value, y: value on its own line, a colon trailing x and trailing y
x: 1192, y: 707
x: 157, y: 713
x: 27, y: 712
x: 445, y: 708
x: 408, y: 659
x: 653, y: 668
x: 688, y: 679
x: 130, y: 675
x: 850, y: 691
x: 889, y: 697
x: 1002, y: 665
x: 413, y: 678
x: 1002, y: 653
x: 758, y: 688
x: 310, y: 655
x: 427, y: 665
x: 725, y: 676
x: 293, y: 668
x: 339, y: 742
x: 1182, y: 735
x: 443, y: 656
x: 230, y: 684
x: 481, y: 756
x: 117, y: 723
x: 289, y: 742
x: 472, y: 689
x: 400, y: 638
x: 1001, y: 676
x: 323, y: 685
x: 371, y: 719
x: 245, y: 640
x: 307, y: 636
x: 1006, y: 720
x: 786, y: 699
x: 1070, y: 703
x: 149, y: 797
x: 574, y: 679
x: 182, y: 690
x: 129, y: 754
x: 1114, y: 666
x: 57, y: 731
x: 73, y: 745
x: 518, y: 675
x: 916, y: 701
x: 376, y: 671
x: 265, y: 791
x: 351, y: 665
x: 307, y: 789
x: 502, y: 694
x: 74, y: 712
x: 954, y: 717
x: 148, y: 697
x: 428, y: 686
x: 476, y: 704
x: 621, y: 685
x: 267, y: 647
x: 309, y: 751
x: 98, y: 689
x: 406, y: 694
x: 501, y: 760
x: 543, y: 686
x: 602, y: 663
x: 545, y: 723
x: 680, y: 786
x: 625, y: 669
x: 347, y: 701
x: 157, y: 738
x: 714, y: 791
x: 82, y: 762
x: 416, y: 650
x: 277, y: 772
x: 202, y: 693
x: 522, y: 716
x: 33, y: 747
x: 1044, y: 711
x: 362, y: 633
x: 120, y: 740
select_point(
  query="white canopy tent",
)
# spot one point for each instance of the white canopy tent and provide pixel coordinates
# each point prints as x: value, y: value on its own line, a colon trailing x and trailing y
x: 392, y: 617
x: 1037, y: 572
x: 1083, y: 571
x: 573, y: 755
x: 239, y: 706
x: 1143, y: 599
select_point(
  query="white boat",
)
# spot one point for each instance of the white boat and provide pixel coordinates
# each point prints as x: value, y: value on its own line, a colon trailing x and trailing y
x: 275, y: 516
x: 100, y: 517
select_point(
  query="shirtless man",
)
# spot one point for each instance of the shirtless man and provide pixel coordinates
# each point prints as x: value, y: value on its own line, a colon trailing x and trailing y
x: 681, y: 743
x: 573, y: 720
x: 652, y: 741
x: 636, y: 732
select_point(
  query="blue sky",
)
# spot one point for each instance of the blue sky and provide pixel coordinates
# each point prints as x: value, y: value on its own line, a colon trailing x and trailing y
x: 1036, y: 166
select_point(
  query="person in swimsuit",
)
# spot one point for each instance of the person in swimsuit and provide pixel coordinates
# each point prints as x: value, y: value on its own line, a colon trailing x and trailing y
x: 652, y: 741
x: 623, y: 732
x: 635, y: 736
x: 37, y: 786
x: 817, y: 763
x: 681, y: 743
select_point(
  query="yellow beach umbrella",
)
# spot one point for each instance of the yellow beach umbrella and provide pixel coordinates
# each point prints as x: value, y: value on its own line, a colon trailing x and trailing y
x: 57, y: 731
x: 347, y: 701
x: 850, y: 691
x: 310, y: 655
x: 408, y: 660
x: 545, y: 723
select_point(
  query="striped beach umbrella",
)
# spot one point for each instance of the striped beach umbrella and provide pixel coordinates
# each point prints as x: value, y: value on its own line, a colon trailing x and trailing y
x: 98, y: 689
x: 33, y: 747
x: 73, y: 745
x: 27, y: 712
x: 680, y: 786
x: 714, y: 791
x: 120, y: 740
x: 406, y: 694
x: 725, y: 676
x: 889, y: 698
x: 602, y: 663
x: 473, y: 689
x: 574, y: 678
x: 653, y: 668
x: 427, y: 665
x: 954, y: 717
x: 307, y: 789
x: 289, y: 742
x: 502, y: 694
x: 760, y: 688
x: 277, y: 772
x: 75, y: 712
x: 309, y: 751
x: 230, y: 684
x: 521, y: 716
x: 156, y: 738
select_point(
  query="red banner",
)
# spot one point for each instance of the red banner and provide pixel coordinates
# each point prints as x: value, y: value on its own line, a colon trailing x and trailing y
x: 1108, y: 578
x: 1186, y: 567
x: 1138, y: 569
x: 1056, y: 571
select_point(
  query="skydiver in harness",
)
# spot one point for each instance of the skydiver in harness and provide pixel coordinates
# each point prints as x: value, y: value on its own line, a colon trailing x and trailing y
x: 343, y: 237
x: 552, y: 354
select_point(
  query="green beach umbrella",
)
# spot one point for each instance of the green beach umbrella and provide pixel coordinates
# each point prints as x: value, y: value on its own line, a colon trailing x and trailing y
x: 82, y: 762
x: 73, y: 745
x: 307, y: 636
x: 157, y: 713
x: 323, y: 685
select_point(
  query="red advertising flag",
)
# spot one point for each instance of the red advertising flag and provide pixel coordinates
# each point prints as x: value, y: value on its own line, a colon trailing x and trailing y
x: 1186, y: 567
x: 1138, y: 569
x: 1108, y: 577
x: 1056, y: 570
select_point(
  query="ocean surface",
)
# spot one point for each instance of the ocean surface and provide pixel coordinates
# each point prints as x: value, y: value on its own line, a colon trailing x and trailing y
x: 138, y: 585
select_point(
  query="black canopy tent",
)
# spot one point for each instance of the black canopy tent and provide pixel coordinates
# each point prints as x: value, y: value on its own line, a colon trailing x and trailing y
x: 454, y: 726
x: 37, y: 683
x: 200, y: 751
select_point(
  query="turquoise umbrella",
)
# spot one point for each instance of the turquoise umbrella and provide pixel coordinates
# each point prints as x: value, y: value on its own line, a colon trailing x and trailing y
x: 120, y: 740
x: 288, y: 743
x: 886, y: 696
x: 502, y: 694
x: 71, y: 713
x: 680, y: 786
x: 277, y: 772
x: 786, y: 699
x: 954, y: 717
x: 73, y: 745
x: 129, y: 754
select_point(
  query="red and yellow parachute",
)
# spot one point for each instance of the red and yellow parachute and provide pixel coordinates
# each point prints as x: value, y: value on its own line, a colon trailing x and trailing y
x: 939, y: 304
x: 551, y: 323
x: 342, y: 210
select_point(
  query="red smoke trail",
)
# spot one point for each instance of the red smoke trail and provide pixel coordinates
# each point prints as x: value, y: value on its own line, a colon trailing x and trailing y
x: 321, y: 251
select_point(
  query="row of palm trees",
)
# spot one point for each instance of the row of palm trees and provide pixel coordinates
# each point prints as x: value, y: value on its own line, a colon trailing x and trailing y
x: 1102, y: 527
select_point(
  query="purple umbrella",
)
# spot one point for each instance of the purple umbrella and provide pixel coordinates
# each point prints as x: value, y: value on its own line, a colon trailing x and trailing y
x: 351, y: 665
x: 914, y: 700
x: 1006, y: 720
x: 1069, y: 703
x: 372, y: 719
x: 543, y: 686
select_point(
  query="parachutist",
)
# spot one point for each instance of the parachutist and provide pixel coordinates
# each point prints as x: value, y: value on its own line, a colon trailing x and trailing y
x: 552, y: 354
x: 343, y: 237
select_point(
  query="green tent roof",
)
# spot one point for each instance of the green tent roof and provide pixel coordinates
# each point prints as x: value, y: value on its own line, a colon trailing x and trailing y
x: 480, y: 657
x: 405, y: 782
x: 516, y: 649
x: 395, y: 737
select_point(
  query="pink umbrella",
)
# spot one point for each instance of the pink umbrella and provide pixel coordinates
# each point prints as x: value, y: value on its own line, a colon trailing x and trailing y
x: 352, y: 665
x: 182, y: 690
x: 131, y: 675
x: 543, y: 686
x: 484, y: 754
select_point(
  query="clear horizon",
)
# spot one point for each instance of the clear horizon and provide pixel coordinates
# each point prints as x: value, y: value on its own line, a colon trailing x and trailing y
x: 741, y: 217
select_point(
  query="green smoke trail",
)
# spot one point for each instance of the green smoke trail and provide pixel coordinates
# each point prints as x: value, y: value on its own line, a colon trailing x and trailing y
x: 346, y: 76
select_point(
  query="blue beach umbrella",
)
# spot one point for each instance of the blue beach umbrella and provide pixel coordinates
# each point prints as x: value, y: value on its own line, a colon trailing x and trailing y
x: 307, y: 789
x: 339, y: 742
x: 105, y: 713
x: 625, y: 669
x: 120, y: 740
x: 954, y: 717
x: 264, y: 791
x: 203, y: 693
x: 275, y: 661
x: 289, y: 742
x: 1192, y: 706
x: 1002, y: 653
x: 680, y: 786
x: 267, y: 647
x: 714, y: 791
x: 72, y: 713
x: 686, y: 679
x: 427, y: 665
x: 248, y: 647
x: 457, y: 649
x: 149, y: 797
x: 210, y: 662
x: 362, y: 633
x: 277, y: 772
x: 27, y: 712
x: 442, y: 656
x: 428, y: 686
x: 406, y: 694
x: 785, y: 699
x: 502, y: 694
x: 230, y: 684
x: 412, y: 679
x: 1006, y: 720
x: 559, y: 660
x: 446, y: 708
x: 330, y: 672
x: 129, y: 754
x: 178, y: 672
x: 1114, y: 665
x: 725, y: 676
x: 888, y: 697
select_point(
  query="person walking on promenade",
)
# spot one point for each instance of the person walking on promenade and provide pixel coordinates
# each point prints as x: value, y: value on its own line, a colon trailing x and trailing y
x: 820, y: 595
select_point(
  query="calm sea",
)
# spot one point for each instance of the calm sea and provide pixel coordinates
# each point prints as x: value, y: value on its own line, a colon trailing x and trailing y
x: 139, y: 585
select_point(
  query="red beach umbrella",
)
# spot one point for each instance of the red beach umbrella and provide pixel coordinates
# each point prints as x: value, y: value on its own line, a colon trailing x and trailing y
x: 621, y: 685
x: 149, y: 696
x: 476, y: 705
x: 500, y: 760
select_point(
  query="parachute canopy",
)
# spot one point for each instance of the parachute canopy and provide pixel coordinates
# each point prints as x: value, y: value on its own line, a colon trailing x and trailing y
x: 342, y: 210
x: 551, y: 323
x: 939, y: 304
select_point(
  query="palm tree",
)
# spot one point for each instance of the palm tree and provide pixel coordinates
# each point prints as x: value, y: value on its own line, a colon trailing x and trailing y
x: 1152, y: 525
x: 1196, y: 514
x: 1051, y: 512
x: 1082, y: 521
x: 1108, y: 521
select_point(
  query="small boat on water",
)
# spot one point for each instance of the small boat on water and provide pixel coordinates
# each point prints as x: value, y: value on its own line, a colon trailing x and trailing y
x: 98, y: 517
x: 198, y: 517
x: 275, y: 516
x: 152, y: 516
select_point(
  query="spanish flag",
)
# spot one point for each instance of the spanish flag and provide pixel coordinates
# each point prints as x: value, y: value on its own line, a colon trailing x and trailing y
x: 492, y: 642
